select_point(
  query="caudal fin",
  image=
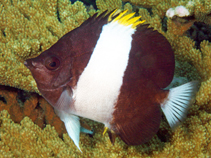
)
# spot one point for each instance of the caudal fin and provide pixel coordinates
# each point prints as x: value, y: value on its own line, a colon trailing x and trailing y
x: 176, y: 106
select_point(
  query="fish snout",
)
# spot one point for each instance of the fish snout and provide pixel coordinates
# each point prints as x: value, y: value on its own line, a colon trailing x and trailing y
x: 26, y: 63
x: 29, y: 63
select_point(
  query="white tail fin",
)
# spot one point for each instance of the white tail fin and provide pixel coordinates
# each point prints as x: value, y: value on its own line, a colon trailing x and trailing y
x: 176, y: 106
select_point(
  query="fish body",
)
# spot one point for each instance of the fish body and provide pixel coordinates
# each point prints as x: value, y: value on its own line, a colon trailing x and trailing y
x: 113, y: 71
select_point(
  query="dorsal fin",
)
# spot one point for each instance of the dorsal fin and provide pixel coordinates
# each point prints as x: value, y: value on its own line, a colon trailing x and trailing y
x: 125, y: 20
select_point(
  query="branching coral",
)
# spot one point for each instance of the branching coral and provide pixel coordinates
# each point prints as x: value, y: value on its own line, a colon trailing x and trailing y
x: 20, y: 104
x: 27, y: 138
x: 193, y: 139
x: 11, y: 101
x: 108, y: 4
x: 183, y: 46
x: 30, y: 27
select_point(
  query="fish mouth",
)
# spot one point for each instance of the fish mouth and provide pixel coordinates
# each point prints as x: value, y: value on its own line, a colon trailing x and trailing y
x: 26, y: 63
x: 30, y: 64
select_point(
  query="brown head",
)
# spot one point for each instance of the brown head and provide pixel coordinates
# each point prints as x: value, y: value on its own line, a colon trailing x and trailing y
x: 58, y: 68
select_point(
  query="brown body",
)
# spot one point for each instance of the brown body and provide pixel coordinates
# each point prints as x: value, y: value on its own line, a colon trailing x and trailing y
x: 137, y: 115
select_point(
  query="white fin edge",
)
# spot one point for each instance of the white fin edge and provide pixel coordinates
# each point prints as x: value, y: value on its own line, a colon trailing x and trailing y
x: 176, y: 106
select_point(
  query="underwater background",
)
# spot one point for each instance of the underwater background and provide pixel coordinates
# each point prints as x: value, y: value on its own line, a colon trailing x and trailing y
x: 28, y: 125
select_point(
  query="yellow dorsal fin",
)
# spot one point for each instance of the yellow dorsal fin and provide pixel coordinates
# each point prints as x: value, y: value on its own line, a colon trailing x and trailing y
x: 119, y: 16
x: 110, y: 16
x: 134, y: 19
x: 126, y: 20
x: 137, y: 23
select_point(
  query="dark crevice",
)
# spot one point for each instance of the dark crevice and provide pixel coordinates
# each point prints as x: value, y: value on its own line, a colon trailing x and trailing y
x: 199, y: 31
x: 4, y: 34
x: 164, y: 24
x: 44, y: 123
x: 163, y: 133
x: 3, y: 99
x: 26, y: 16
x: 57, y: 13
x: 40, y: 47
x: 11, y: 2
x: 163, y: 136
x: 38, y: 106
x: 1, y: 125
x: 87, y: 3
x: 22, y: 97
x: 150, y: 11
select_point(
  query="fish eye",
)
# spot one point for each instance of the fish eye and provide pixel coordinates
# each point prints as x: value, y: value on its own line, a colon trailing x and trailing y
x: 52, y: 63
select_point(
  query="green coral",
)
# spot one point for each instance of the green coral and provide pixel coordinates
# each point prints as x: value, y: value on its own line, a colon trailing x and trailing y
x: 192, y: 139
x: 30, y: 27
x: 184, y: 47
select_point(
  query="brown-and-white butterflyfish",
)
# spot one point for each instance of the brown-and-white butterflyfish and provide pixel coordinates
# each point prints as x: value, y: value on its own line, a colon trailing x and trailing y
x: 112, y: 69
